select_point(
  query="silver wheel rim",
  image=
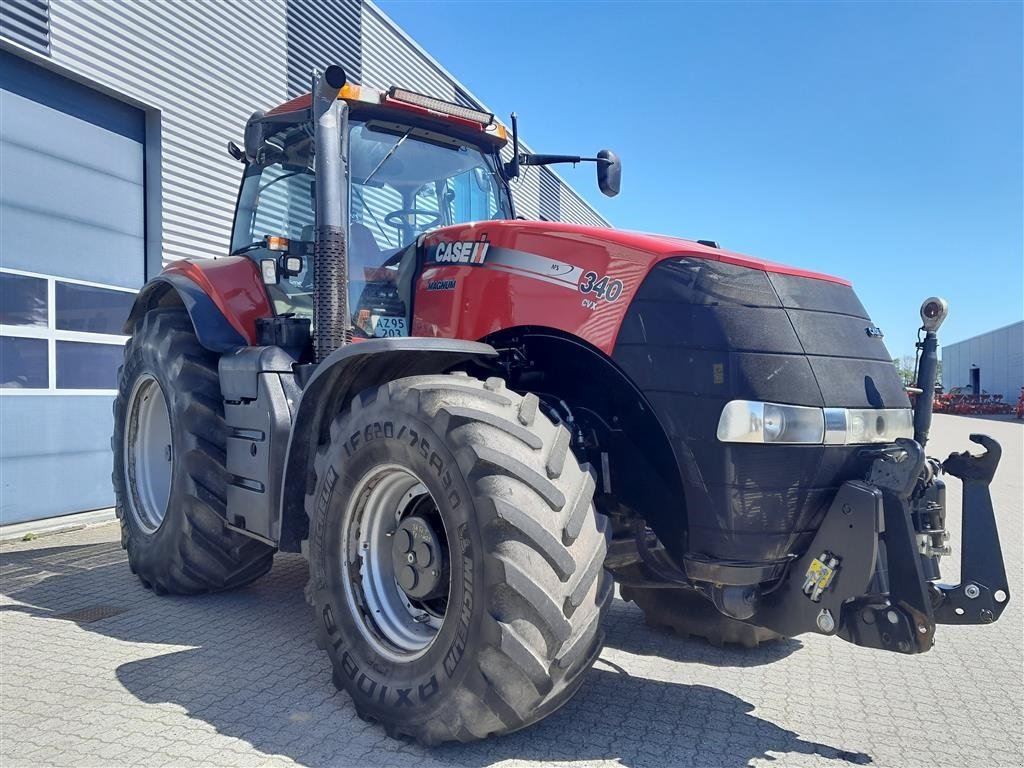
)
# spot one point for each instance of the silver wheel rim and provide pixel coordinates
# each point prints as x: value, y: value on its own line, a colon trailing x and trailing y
x: 397, y: 627
x: 148, y: 454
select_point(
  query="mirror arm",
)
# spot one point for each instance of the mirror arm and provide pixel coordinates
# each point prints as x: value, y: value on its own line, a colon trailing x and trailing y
x: 512, y: 166
x: 554, y: 159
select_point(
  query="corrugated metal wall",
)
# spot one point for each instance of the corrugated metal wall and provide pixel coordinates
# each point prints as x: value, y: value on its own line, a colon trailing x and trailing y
x: 550, y: 196
x: 999, y: 356
x: 388, y: 59
x: 321, y: 32
x: 26, y: 22
x: 207, y: 66
x: 198, y: 63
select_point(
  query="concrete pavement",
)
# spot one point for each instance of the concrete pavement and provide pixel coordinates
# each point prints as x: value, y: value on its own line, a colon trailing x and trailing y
x: 95, y: 670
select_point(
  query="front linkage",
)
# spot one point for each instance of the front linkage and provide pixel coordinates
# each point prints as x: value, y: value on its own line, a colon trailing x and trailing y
x: 871, y: 573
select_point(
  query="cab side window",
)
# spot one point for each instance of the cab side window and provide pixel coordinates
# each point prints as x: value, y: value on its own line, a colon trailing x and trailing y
x: 277, y: 200
x: 284, y: 204
x: 471, y: 196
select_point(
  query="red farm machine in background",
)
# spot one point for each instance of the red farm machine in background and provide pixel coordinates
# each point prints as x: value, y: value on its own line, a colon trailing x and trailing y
x: 962, y: 402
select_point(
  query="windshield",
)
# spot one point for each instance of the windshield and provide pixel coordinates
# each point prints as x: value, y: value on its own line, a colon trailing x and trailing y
x: 404, y: 181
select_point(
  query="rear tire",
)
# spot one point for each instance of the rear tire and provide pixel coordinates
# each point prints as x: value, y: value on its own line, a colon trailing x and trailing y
x: 173, y: 515
x: 525, y: 548
x: 687, y: 613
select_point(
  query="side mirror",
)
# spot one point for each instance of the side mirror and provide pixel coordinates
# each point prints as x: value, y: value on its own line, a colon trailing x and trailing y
x: 253, y: 136
x: 609, y: 172
x: 236, y: 152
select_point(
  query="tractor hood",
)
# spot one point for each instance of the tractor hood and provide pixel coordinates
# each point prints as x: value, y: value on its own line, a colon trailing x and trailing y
x: 526, y: 260
x: 699, y: 334
x: 652, y: 248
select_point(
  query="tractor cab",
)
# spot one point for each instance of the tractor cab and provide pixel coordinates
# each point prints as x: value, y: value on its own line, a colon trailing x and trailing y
x: 414, y: 164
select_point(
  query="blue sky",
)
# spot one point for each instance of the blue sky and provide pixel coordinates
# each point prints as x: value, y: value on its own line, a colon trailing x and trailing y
x: 878, y: 142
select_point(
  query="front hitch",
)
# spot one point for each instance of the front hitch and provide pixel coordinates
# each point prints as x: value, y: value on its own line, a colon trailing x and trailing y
x: 982, y: 593
x: 869, y: 576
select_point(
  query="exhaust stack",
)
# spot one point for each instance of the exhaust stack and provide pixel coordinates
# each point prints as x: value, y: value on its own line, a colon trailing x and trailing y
x: 332, y: 324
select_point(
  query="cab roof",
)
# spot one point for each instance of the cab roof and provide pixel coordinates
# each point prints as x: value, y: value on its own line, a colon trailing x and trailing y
x: 397, y: 98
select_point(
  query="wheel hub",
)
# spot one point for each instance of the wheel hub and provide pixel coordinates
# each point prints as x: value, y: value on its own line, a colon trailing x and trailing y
x: 418, y: 557
x: 148, y: 454
x: 395, y: 562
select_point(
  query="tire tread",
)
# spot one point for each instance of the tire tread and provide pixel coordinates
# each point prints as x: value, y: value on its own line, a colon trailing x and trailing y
x: 206, y: 556
x: 544, y: 538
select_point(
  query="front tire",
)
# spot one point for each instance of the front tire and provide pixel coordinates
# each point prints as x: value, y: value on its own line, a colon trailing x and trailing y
x: 169, y: 464
x: 468, y: 470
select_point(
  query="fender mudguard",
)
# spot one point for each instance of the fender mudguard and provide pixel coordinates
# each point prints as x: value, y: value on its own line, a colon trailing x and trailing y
x: 212, y: 329
x: 334, y: 383
x: 223, y: 297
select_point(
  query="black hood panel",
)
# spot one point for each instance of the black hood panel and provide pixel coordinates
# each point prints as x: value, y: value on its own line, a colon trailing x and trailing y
x: 703, y: 327
x: 700, y: 333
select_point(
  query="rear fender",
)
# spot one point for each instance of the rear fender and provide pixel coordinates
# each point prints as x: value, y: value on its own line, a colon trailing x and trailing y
x: 334, y: 383
x: 223, y: 297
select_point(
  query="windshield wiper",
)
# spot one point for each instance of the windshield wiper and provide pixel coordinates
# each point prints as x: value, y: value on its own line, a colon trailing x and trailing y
x: 388, y: 155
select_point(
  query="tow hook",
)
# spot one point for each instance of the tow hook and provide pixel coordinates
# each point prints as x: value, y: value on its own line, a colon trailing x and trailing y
x: 982, y: 593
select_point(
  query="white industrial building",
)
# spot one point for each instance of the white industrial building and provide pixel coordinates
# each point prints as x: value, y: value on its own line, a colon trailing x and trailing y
x: 991, y: 363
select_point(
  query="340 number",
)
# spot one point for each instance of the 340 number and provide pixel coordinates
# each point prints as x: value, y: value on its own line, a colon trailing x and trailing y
x: 602, y: 287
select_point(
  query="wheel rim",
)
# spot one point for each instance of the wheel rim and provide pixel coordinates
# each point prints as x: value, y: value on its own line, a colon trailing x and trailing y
x: 148, y: 454
x: 385, y: 504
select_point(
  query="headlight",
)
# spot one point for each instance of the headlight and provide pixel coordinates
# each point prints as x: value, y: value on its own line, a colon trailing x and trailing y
x: 747, y: 421
x: 878, y: 425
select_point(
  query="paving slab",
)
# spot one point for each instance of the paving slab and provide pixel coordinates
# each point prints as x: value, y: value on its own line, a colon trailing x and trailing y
x: 97, y: 671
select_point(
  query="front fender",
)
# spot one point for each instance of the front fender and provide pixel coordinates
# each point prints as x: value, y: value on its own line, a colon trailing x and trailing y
x: 335, y: 382
x: 223, y: 297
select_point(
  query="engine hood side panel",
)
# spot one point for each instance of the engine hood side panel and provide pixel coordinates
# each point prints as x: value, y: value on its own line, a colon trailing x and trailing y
x: 478, y: 279
x: 692, y: 327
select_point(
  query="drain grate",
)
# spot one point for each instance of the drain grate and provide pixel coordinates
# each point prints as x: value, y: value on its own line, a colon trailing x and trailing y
x: 91, y: 613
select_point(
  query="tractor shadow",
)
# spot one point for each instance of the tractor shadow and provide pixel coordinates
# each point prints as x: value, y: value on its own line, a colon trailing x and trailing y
x: 251, y: 670
x: 626, y: 631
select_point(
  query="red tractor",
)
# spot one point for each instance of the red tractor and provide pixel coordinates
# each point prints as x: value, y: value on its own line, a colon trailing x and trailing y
x: 471, y: 424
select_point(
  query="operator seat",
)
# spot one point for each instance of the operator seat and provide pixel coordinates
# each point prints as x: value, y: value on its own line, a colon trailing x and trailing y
x: 363, y: 251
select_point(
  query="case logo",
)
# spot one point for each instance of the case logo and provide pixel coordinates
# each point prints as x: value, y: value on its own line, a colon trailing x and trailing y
x: 470, y: 252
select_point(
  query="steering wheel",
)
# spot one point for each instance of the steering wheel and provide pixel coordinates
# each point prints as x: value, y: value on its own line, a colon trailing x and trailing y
x: 400, y: 219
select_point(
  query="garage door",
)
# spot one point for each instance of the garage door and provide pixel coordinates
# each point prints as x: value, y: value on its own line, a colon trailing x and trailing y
x: 72, y: 256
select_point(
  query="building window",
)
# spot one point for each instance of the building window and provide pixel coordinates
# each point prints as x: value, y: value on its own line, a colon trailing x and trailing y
x: 89, y: 309
x: 22, y: 300
x: 23, y: 363
x: 59, y: 335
